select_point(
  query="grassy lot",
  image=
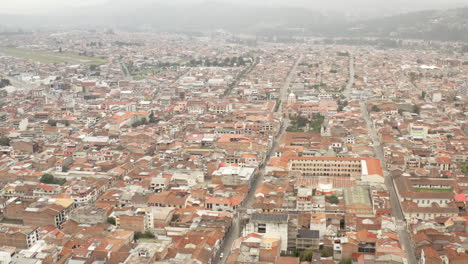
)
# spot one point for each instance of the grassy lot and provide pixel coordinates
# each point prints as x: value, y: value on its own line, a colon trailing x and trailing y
x: 51, y: 57
x: 432, y: 190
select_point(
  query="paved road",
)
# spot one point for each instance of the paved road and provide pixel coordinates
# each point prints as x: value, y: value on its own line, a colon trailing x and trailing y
x: 349, y: 85
x: 18, y: 84
x: 125, y: 71
x: 397, y: 211
x: 241, y: 76
x: 234, y: 231
x: 284, y: 91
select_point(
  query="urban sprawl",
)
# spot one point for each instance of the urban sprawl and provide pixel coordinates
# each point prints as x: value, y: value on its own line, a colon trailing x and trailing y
x: 169, y: 148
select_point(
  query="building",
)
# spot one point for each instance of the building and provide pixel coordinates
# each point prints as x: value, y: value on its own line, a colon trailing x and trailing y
x: 18, y: 236
x: 47, y: 212
x: 88, y: 215
x: 232, y: 175
x: 307, y: 239
x: 270, y: 225
x: 358, y: 201
x: 318, y: 222
x: 418, y: 132
x: 366, y: 169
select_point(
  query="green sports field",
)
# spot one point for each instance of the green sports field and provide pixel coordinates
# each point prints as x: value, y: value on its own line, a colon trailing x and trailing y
x: 50, y: 57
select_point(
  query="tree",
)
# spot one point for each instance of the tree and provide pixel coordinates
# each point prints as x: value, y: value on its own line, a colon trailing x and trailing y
x: 140, y: 122
x: 416, y: 109
x: 47, y: 178
x: 146, y: 234
x: 137, y: 235
x: 4, y: 141
x: 326, y: 252
x: 464, y: 168
x: 301, y: 121
x: 50, y: 179
x: 52, y: 122
x: 153, y: 119
x: 342, y: 105
x: 111, y: 220
x: 345, y: 261
x: 332, y: 199
x: 306, y: 255
x: 375, y: 108
x: 4, y: 83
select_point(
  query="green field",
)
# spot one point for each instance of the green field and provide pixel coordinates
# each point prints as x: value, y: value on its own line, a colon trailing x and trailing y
x: 51, y: 57
x: 432, y: 190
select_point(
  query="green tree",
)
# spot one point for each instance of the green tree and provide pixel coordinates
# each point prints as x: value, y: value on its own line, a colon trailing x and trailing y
x: 140, y: 122
x: 4, y: 83
x: 52, y: 122
x: 345, y: 261
x: 423, y: 94
x: 464, y: 168
x: 137, y: 235
x: 416, y: 109
x: 4, y: 141
x: 306, y: 255
x: 375, y: 108
x: 277, y: 105
x: 332, y: 199
x: 50, y: 179
x: 153, y: 119
x: 301, y: 121
x: 326, y: 252
x: 111, y: 220
x: 47, y: 178
x: 146, y: 234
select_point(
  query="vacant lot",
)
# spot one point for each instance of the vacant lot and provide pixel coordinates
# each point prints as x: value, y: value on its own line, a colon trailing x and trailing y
x: 50, y: 57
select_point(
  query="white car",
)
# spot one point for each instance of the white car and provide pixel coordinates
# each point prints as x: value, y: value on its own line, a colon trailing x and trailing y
x: 221, y: 255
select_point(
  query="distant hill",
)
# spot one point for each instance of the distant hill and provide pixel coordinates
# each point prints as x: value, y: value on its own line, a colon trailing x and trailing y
x: 449, y: 25
x: 197, y: 17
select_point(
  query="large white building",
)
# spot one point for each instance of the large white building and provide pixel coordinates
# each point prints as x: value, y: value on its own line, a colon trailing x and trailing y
x: 232, y: 175
x: 364, y: 169
x: 269, y: 225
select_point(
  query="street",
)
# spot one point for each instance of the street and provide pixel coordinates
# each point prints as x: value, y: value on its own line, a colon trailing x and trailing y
x: 234, y: 231
x: 349, y: 85
x: 397, y: 211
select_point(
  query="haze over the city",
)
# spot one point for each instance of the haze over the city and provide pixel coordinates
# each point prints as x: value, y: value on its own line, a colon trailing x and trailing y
x: 367, y: 7
x: 233, y: 132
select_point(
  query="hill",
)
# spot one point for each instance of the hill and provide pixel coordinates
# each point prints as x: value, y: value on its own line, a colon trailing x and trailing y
x: 448, y: 25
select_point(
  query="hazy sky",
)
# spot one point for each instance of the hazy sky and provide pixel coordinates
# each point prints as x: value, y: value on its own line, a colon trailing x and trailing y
x: 41, y: 6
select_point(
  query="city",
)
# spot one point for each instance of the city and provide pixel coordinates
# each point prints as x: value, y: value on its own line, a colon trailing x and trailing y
x: 159, y: 147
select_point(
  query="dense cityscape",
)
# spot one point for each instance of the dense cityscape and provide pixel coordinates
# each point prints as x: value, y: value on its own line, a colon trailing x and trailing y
x: 134, y: 148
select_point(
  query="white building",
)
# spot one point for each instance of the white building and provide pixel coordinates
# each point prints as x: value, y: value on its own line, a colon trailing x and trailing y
x: 232, y: 175
x: 269, y: 225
